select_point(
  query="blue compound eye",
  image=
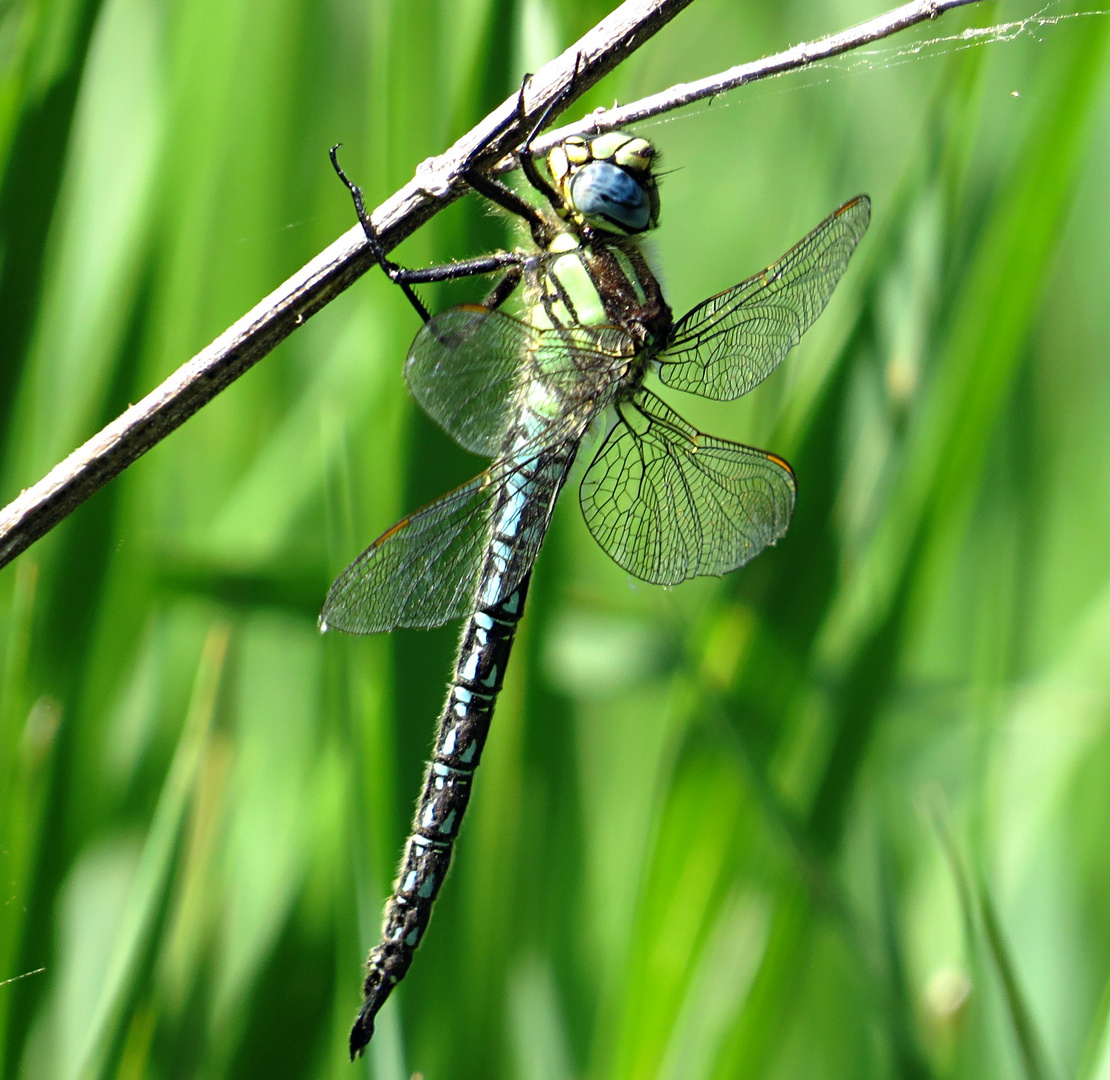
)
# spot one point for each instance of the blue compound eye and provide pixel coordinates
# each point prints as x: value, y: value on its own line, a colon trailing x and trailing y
x: 603, y: 193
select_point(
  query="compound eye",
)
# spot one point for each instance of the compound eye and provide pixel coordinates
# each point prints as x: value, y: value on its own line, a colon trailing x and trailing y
x: 608, y: 196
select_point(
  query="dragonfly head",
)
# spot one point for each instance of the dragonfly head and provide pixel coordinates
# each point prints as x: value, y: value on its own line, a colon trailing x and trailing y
x: 606, y: 181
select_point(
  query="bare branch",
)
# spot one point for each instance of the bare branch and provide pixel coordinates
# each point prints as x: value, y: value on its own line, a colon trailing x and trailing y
x: 436, y: 184
x: 798, y: 56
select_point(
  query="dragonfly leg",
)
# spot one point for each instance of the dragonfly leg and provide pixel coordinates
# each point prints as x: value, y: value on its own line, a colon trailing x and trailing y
x: 393, y: 271
x: 503, y: 195
x: 503, y: 289
x: 524, y: 154
x: 507, y: 199
x: 510, y: 261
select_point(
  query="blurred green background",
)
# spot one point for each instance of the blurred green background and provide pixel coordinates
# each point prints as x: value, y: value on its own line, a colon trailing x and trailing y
x: 841, y: 814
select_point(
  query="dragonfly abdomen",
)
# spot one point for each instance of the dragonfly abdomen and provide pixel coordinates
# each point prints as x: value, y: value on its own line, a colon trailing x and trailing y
x: 461, y: 734
x: 521, y: 513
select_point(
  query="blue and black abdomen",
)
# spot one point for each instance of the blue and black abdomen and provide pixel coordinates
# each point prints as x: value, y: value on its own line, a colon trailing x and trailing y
x: 460, y: 737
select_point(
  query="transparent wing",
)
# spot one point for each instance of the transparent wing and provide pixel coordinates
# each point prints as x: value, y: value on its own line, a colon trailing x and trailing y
x: 426, y: 570
x: 463, y: 368
x: 467, y: 363
x: 668, y: 503
x: 734, y: 340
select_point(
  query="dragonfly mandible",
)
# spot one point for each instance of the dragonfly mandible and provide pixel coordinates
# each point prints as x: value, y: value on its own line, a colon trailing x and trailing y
x: 664, y: 500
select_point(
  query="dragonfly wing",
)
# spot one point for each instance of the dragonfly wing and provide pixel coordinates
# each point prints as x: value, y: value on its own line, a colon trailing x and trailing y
x: 468, y: 365
x: 464, y: 368
x: 427, y: 569
x: 734, y: 340
x: 668, y: 503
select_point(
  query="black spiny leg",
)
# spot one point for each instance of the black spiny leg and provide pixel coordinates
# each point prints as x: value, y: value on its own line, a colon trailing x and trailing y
x: 502, y: 194
x: 509, y: 261
x: 524, y: 154
x: 492, y: 189
x: 503, y: 289
x: 391, y: 268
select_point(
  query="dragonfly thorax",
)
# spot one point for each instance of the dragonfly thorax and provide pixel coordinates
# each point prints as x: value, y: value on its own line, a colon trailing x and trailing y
x: 606, y: 182
x: 603, y: 282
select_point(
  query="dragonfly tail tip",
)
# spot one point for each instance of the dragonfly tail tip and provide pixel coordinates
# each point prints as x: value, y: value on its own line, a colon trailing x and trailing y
x: 361, y: 1034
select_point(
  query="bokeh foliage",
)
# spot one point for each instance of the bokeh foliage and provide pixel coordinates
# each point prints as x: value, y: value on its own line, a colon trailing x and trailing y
x: 841, y: 814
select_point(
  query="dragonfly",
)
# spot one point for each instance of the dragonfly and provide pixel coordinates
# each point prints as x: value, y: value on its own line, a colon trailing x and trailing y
x: 664, y: 500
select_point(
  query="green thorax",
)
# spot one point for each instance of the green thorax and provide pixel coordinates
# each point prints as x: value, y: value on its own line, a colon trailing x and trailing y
x: 593, y: 272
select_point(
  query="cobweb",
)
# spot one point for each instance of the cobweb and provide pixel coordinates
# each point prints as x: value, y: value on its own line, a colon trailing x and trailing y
x: 895, y: 51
